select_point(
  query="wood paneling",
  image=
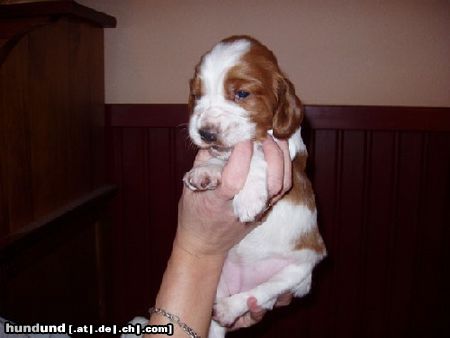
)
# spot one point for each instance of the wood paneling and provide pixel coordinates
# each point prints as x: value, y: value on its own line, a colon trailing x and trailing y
x: 147, y: 164
x: 52, y: 136
x: 15, y: 148
x: 50, y: 271
x: 382, y: 181
x: 53, y: 191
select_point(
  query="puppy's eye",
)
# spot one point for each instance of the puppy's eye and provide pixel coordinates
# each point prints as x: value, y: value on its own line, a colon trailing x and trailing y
x: 241, y: 94
x: 195, y: 96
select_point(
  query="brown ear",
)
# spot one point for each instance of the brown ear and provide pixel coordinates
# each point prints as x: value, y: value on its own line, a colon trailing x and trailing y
x: 288, y: 113
x: 195, y: 89
x: 191, y: 99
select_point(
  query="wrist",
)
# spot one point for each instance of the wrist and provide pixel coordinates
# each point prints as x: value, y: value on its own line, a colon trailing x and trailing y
x: 189, y: 287
x: 191, y: 249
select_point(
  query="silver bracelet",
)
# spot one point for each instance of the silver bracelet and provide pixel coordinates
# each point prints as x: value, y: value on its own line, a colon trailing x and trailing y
x: 174, y: 319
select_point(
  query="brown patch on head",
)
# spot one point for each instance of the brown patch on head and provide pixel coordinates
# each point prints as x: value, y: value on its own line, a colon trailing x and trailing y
x: 311, y: 240
x: 272, y: 102
x: 196, y: 91
x: 301, y: 191
x: 254, y: 75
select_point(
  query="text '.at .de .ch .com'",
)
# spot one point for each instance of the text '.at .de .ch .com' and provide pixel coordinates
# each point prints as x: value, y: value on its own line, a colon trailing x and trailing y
x: 69, y: 329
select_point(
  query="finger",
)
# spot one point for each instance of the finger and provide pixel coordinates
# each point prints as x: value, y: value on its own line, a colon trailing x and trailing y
x: 236, y: 170
x: 287, y: 173
x: 284, y: 299
x: 243, y: 321
x: 275, y: 166
x: 287, y: 178
x: 256, y: 312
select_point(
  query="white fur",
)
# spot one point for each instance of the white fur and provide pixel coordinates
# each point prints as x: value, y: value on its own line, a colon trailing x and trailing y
x: 275, y: 230
x: 295, y: 278
x: 212, y: 109
x: 216, y: 64
x: 284, y: 224
x: 277, y: 235
x: 296, y: 144
x: 252, y: 199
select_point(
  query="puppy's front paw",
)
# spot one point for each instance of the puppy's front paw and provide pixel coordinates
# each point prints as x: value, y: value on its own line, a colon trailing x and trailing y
x: 228, y: 309
x: 250, y: 203
x: 205, y: 177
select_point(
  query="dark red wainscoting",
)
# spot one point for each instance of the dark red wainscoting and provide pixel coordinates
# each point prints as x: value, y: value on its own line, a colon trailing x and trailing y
x: 382, y: 180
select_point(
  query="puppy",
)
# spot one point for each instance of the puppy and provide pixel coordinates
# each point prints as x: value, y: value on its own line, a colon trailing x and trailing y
x: 238, y: 93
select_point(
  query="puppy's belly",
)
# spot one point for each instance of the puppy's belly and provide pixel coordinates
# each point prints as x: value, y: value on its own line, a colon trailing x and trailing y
x: 240, y: 277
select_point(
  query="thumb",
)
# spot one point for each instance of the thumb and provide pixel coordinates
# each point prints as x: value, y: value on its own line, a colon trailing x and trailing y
x: 236, y: 170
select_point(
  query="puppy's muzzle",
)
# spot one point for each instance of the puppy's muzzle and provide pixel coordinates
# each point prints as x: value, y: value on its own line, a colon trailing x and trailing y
x: 208, y: 136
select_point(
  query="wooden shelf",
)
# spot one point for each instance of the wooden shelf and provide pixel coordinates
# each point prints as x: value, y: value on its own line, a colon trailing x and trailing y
x: 56, y: 9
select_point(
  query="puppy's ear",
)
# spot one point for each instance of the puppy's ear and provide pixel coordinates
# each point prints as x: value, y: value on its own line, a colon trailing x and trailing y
x: 195, y: 89
x: 288, y: 113
x: 192, y: 96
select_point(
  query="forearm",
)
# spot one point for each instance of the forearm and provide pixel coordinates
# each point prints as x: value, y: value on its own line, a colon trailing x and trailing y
x: 188, y: 290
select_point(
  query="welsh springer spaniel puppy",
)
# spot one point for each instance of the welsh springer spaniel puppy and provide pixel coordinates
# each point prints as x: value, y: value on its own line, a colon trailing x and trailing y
x: 238, y: 93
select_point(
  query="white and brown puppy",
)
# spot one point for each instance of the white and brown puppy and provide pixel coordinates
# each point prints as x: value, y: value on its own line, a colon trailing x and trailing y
x: 238, y: 93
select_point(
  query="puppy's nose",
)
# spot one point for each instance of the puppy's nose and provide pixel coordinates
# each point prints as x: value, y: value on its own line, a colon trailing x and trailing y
x: 208, y: 136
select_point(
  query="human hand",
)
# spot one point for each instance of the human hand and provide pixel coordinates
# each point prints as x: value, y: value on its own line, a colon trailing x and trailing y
x: 256, y: 313
x: 206, y: 222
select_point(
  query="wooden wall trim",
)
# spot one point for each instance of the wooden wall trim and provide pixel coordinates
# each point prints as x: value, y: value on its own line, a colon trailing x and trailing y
x: 378, y: 118
x: 317, y: 117
x: 147, y: 115
x: 56, y: 219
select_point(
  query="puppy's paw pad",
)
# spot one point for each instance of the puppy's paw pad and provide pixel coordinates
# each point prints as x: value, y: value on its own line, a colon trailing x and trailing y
x: 202, y: 178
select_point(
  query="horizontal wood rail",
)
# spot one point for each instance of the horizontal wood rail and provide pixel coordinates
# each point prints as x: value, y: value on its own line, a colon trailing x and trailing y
x: 317, y: 117
x: 378, y: 118
x: 57, y: 217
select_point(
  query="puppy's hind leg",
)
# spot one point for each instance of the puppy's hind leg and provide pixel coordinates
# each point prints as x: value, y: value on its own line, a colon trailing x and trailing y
x: 294, y: 278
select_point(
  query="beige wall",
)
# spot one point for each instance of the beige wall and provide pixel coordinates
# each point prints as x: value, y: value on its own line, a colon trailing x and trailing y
x: 360, y: 52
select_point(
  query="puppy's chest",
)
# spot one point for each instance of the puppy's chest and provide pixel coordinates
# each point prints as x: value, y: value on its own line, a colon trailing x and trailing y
x: 278, y: 234
x: 268, y: 249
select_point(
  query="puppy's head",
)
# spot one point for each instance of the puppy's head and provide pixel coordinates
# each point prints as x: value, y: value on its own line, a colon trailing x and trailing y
x: 237, y: 93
